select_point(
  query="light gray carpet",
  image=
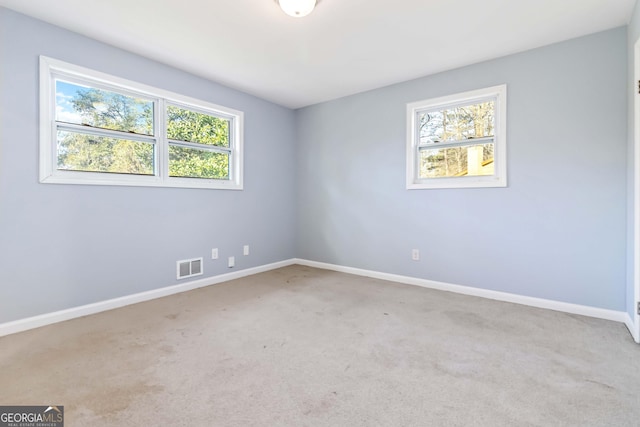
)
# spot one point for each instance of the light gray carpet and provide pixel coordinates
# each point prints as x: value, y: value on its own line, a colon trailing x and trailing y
x: 305, y: 347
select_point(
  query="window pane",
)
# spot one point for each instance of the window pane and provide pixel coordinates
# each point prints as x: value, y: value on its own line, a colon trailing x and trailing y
x: 194, y: 163
x: 457, y: 123
x: 469, y: 160
x: 190, y: 126
x: 99, y: 108
x: 90, y: 153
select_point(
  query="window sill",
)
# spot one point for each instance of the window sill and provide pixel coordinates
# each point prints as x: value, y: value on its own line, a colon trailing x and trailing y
x: 88, y: 178
x: 457, y: 182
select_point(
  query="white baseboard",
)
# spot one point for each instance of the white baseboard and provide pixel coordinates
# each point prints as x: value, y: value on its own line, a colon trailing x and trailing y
x: 633, y: 329
x: 617, y: 316
x: 85, y: 310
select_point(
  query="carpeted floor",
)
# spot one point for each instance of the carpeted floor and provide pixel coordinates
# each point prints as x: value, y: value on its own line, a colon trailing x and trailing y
x: 305, y: 347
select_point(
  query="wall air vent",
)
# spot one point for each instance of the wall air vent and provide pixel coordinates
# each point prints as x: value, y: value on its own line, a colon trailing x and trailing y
x: 189, y: 268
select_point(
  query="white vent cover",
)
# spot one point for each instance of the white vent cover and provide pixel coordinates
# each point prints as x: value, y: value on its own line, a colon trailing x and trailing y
x: 189, y: 268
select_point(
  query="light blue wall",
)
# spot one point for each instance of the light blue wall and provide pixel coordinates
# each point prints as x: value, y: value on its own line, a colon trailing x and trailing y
x: 557, y: 232
x: 633, y: 33
x: 67, y: 245
x: 326, y: 183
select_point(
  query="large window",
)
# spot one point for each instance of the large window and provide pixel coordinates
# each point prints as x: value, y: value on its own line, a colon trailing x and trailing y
x: 458, y: 140
x: 100, y: 129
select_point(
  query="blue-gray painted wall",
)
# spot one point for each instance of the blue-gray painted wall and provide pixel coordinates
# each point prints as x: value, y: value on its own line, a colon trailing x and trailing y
x: 326, y: 183
x: 63, y: 246
x: 557, y: 232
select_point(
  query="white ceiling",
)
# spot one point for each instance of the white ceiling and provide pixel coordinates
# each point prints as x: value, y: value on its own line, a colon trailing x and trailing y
x: 343, y: 47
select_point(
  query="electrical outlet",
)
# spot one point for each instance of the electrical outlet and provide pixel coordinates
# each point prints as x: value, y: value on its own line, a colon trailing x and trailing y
x: 415, y: 255
x: 214, y: 253
x: 232, y: 261
x: 245, y: 250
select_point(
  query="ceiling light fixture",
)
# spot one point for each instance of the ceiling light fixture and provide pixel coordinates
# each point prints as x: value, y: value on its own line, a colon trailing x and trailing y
x: 297, y: 8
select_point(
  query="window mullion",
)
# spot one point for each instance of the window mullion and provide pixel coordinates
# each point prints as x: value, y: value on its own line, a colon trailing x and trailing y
x: 456, y: 143
x: 71, y: 127
x: 197, y: 146
x: 162, y: 161
x: 233, y: 147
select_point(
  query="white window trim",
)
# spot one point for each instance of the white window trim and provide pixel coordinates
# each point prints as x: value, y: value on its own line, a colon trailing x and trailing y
x: 50, y: 174
x: 499, y: 179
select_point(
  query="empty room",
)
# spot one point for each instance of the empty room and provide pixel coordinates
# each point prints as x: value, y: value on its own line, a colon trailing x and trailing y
x: 319, y: 213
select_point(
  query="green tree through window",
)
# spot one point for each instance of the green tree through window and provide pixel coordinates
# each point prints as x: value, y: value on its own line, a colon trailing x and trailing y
x: 192, y: 137
x: 199, y: 144
x: 92, y: 108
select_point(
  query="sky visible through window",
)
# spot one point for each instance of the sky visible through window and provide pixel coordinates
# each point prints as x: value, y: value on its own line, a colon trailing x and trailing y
x: 102, y: 108
x: 65, y: 93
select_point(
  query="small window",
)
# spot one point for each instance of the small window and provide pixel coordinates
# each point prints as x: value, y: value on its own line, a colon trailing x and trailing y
x: 100, y: 129
x: 458, y: 141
